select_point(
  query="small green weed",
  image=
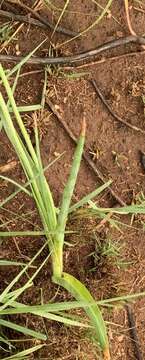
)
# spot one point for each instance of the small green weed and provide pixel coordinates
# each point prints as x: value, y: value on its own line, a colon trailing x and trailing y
x: 54, y: 223
x: 105, y: 250
x: 5, y: 32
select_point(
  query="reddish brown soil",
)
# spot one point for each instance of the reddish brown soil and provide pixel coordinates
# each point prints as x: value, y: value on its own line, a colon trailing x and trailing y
x: 122, y: 82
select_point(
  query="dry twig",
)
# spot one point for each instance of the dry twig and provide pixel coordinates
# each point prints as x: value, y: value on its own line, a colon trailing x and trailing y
x: 42, y: 19
x: 115, y: 116
x: 22, y: 18
x: 133, y: 333
x: 74, y: 59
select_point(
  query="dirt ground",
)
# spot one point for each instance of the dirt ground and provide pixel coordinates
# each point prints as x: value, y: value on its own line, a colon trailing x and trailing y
x: 114, y: 150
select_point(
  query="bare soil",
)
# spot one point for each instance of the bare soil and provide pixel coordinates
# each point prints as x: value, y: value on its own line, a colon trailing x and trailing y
x: 115, y: 151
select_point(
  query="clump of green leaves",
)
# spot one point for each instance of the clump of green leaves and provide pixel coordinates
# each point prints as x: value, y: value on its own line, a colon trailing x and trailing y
x: 53, y: 220
x: 54, y: 225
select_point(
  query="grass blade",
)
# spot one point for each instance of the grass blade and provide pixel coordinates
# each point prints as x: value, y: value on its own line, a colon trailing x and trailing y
x: 29, y: 233
x: 29, y: 169
x: 69, y: 188
x: 81, y: 293
x: 22, y: 329
x: 26, y: 285
x: 17, y: 115
x: 44, y: 187
x: 124, y: 210
x: 27, y: 108
x: 60, y: 17
x: 22, y: 188
x: 22, y: 354
x: 65, y: 204
x: 3, y: 340
x: 10, y: 197
x: 15, y: 280
x: 11, y: 263
x: 22, y: 62
x: 90, y: 196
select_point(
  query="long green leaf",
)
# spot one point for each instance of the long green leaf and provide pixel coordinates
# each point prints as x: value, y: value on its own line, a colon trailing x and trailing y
x: 22, y: 354
x: 22, y: 188
x: 48, y: 214
x: 69, y: 188
x: 44, y: 187
x: 22, y: 329
x: 57, y: 256
x: 3, y: 340
x: 46, y: 308
x: 50, y: 316
x: 24, y: 61
x: 124, y: 210
x: 25, y: 286
x: 81, y: 293
x: 27, y: 108
x: 10, y: 197
x: 11, y: 263
x: 90, y: 196
x: 17, y: 115
x: 30, y: 233
x: 24, y: 158
x: 16, y: 279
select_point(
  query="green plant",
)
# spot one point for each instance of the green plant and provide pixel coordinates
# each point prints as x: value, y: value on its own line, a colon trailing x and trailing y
x: 5, y: 32
x: 113, y: 252
x: 11, y: 307
x: 53, y: 221
x: 25, y: 354
x: 54, y: 226
x: 110, y: 250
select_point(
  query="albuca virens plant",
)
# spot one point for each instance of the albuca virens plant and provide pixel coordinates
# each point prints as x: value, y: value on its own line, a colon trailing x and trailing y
x: 54, y: 224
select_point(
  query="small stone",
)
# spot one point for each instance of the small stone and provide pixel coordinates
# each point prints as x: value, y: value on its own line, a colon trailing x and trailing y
x: 18, y: 52
x: 109, y: 15
x: 56, y: 154
x: 120, y: 338
x: 65, y: 100
x: 119, y: 34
